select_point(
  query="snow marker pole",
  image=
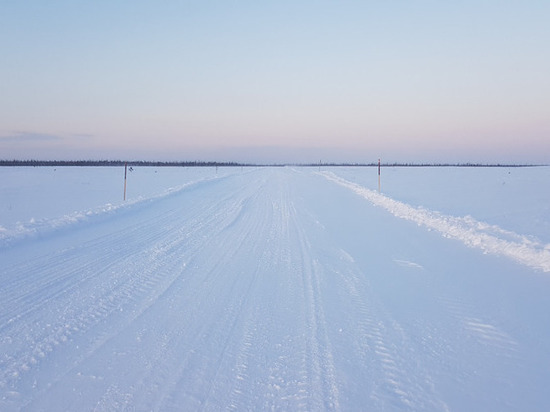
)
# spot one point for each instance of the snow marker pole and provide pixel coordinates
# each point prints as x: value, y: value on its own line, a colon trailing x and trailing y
x: 378, y: 175
x: 125, y: 174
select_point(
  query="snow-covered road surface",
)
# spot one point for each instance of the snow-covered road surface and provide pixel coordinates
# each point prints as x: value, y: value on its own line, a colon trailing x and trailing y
x: 268, y: 289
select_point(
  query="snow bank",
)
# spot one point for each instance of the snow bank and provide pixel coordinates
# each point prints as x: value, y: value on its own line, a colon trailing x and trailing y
x: 473, y: 233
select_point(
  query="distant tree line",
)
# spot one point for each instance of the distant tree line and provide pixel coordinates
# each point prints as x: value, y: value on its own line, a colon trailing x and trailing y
x: 114, y: 163
x: 236, y: 164
x: 420, y: 165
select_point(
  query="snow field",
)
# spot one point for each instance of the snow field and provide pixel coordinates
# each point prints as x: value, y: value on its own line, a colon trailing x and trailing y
x: 515, y: 199
x: 489, y: 238
x: 271, y: 288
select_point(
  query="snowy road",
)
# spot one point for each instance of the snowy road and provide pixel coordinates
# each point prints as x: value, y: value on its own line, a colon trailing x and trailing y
x: 270, y: 289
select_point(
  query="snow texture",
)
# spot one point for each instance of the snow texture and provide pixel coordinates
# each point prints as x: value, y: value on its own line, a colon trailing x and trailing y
x: 489, y: 238
x: 270, y: 289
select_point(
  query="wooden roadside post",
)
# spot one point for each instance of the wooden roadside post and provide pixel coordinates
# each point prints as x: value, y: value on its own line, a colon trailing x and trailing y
x: 378, y: 175
x: 125, y: 174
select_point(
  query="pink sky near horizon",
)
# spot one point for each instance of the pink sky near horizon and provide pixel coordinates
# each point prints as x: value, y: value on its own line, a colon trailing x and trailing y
x: 276, y: 82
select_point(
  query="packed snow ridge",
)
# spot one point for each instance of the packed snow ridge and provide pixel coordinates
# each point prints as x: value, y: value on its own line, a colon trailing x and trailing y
x: 44, y: 226
x: 489, y: 238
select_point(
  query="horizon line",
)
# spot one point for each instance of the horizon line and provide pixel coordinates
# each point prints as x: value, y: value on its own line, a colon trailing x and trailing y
x: 188, y: 163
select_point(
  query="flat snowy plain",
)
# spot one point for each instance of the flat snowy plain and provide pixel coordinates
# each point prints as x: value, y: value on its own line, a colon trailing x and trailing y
x: 275, y: 289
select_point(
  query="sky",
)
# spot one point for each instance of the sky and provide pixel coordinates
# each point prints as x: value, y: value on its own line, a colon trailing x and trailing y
x: 276, y: 81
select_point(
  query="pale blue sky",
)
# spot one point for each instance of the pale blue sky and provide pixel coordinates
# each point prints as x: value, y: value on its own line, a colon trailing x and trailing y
x: 276, y: 81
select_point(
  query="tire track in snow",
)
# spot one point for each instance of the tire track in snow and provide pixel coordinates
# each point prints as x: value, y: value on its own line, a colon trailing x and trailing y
x: 272, y: 358
x: 262, y: 360
x: 489, y: 238
x: 370, y: 344
x: 55, y: 305
x: 194, y: 380
x: 321, y: 359
x: 138, y: 272
x: 482, y: 330
x: 283, y: 358
x: 383, y: 348
x: 253, y: 331
x: 200, y: 287
x: 63, y: 272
